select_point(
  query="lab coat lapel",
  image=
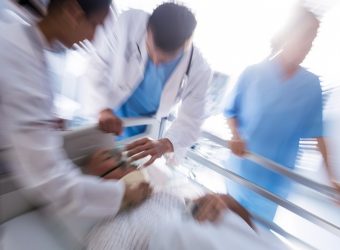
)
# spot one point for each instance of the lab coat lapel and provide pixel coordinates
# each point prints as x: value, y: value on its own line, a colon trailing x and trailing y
x: 136, y: 56
x: 170, y: 91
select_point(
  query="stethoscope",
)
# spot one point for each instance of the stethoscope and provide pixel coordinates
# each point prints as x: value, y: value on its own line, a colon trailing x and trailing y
x: 185, y: 78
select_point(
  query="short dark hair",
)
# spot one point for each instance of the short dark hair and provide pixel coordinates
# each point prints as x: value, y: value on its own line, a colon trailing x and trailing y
x: 88, y: 6
x: 171, y: 25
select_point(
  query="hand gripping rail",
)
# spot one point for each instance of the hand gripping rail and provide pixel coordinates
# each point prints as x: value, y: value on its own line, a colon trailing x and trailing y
x: 271, y: 165
x: 323, y: 189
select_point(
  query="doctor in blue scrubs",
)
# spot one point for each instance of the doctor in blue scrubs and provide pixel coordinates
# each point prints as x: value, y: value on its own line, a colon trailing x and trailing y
x: 274, y: 104
x: 148, y: 67
x: 140, y: 104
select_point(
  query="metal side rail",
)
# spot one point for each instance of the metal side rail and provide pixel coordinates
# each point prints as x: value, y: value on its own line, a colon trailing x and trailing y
x: 270, y: 225
x: 282, y: 202
x: 271, y: 165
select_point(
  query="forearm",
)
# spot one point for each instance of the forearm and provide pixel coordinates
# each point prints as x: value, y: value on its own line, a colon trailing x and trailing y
x: 232, y: 123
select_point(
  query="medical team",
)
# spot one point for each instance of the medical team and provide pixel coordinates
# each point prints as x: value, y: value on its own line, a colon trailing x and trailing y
x: 149, y: 66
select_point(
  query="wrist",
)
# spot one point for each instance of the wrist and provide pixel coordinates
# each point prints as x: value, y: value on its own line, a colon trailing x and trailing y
x: 236, y: 138
x: 106, y: 111
x: 167, y: 144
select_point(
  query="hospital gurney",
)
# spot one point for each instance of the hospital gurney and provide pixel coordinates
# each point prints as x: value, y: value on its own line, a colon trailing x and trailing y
x: 21, y: 220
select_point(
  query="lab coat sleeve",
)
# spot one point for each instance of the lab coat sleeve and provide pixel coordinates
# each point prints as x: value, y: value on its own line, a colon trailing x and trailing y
x: 185, y: 130
x: 39, y: 162
x: 99, y: 76
x: 50, y: 178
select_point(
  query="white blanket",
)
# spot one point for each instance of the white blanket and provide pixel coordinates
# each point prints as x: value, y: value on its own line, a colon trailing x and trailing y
x: 163, y: 222
x: 231, y: 233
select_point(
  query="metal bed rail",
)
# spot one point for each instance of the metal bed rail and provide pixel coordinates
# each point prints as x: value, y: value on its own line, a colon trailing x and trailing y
x: 282, y: 202
x: 267, y: 224
x: 273, y: 166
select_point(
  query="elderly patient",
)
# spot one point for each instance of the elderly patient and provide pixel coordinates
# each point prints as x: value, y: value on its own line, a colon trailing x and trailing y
x: 145, y: 226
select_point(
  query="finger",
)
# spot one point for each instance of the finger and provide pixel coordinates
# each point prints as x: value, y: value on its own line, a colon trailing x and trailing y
x: 106, y: 166
x: 104, y: 156
x: 98, y: 152
x: 117, y: 127
x: 102, y: 125
x: 120, y: 127
x: 152, y: 160
x: 207, y: 210
x: 138, y: 149
x: 142, y: 193
x: 137, y: 143
x: 119, y: 173
x: 110, y: 127
x: 141, y: 155
x: 203, y: 209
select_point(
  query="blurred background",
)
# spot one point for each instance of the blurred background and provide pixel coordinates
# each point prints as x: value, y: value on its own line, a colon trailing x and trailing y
x: 233, y: 34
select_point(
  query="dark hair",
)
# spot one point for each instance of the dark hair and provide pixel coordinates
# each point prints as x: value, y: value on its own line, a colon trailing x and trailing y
x: 32, y: 7
x: 88, y: 6
x: 171, y: 25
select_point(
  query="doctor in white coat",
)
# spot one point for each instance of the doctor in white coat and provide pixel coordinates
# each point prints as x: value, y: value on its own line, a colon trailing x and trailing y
x: 149, y: 65
x: 27, y: 123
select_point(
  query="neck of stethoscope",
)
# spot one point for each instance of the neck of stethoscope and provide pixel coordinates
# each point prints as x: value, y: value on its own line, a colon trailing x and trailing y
x: 187, y: 72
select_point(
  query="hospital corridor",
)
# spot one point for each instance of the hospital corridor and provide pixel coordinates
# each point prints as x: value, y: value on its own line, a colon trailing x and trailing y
x: 169, y: 125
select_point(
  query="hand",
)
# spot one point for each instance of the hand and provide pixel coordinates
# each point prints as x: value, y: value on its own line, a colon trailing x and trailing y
x: 135, y: 195
x: 234, y: 206
x: 119, y: 172
x: 145, y: 147
x: 110, y: 123
x: 237, y: 146
x: 101, y: 162
x: 209, y: 207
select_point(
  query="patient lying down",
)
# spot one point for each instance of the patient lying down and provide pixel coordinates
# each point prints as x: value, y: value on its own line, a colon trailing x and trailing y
x: 169, y: 220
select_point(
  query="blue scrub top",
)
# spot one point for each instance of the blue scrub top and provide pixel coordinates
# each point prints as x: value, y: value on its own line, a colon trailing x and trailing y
x: 144, y: 102
x: 273, y: 113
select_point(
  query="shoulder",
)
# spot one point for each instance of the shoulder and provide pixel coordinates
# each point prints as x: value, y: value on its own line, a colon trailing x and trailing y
x: 310, y: 77
x: 13, y: 39
x: 199, y: 63
x: 133, y: 17
x: 132, y: 23
x: 310, y: 82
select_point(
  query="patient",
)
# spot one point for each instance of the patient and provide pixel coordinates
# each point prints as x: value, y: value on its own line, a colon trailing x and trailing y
x: 108, y: 164
x: 133, y: 228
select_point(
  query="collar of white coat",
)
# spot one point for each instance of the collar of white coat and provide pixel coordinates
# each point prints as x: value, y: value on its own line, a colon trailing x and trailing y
x: 171, y: 89
x: 41, y: 37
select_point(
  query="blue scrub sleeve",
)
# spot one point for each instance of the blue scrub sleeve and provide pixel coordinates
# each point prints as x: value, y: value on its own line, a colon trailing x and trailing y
x: 233, y: 103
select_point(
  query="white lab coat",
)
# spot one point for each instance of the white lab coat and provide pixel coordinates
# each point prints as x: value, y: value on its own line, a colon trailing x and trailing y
x: 26, y: 115
x: 119, y: 68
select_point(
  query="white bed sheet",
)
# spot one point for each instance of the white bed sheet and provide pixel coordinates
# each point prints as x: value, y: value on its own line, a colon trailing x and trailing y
x: 162, y: 222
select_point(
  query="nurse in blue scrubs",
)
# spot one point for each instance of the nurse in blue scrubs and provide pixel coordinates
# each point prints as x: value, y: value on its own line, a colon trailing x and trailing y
x: 274, y: 104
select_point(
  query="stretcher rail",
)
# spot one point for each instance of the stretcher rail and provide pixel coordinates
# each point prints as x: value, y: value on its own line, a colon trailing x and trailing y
x: 270, y: 225
x: 282, y: 202
x: 271, y: 165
